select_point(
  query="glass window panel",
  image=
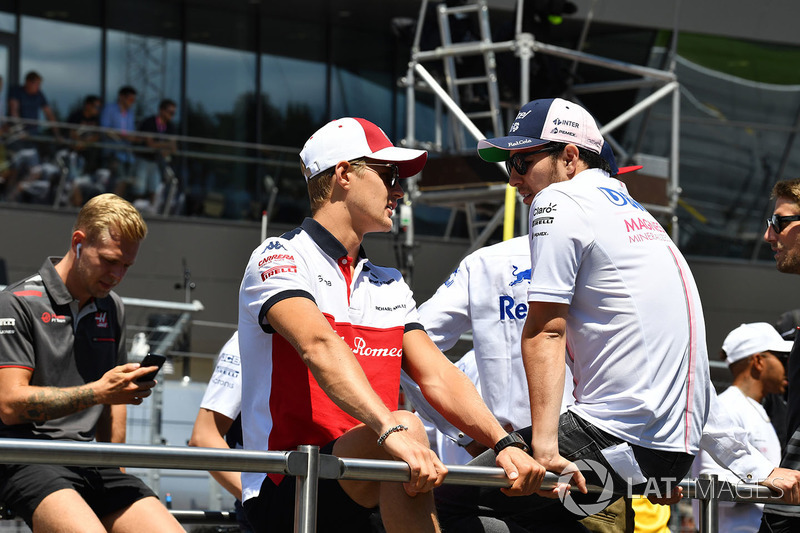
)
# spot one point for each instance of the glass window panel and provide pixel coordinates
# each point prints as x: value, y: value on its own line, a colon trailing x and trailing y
x: 8, y: 23
x: 68, y: 60
x: 151, y: 65
x: 220, y: 104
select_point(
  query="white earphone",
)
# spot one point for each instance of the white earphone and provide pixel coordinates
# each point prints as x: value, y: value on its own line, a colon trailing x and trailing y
x: 78, y: 251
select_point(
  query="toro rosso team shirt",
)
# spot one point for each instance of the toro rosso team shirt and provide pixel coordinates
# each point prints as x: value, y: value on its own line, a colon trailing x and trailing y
x: 635, y: 330
x: 282, y: 404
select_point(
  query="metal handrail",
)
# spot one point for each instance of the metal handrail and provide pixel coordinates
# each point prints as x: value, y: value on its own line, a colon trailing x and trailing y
x: 307, y: 464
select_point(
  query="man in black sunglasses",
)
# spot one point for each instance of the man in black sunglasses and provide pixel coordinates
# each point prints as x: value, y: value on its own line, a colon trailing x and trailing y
x: 611, y: 289
x: 783, y: 235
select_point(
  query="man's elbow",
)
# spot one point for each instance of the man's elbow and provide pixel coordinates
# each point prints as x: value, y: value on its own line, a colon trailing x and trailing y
x: 9, y: 416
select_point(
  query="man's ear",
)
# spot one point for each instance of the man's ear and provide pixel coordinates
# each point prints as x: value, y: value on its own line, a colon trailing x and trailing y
x: 342, y: 174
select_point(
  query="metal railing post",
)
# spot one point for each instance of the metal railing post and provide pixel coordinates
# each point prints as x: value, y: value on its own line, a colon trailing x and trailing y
x: 305, y: 504
x: 708, y: 520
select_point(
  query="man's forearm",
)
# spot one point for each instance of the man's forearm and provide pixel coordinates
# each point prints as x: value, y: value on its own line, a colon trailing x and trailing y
x: 40, y: 404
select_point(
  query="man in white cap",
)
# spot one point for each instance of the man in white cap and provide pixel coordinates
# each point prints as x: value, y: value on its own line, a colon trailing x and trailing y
x: 755, y: 354
x: 323, y: 334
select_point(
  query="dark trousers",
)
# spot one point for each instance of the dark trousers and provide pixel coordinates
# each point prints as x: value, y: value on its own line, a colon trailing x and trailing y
x: 459, y: 506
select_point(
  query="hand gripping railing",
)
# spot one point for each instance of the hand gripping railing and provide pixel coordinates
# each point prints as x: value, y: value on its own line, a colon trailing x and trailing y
x: 308, y: 465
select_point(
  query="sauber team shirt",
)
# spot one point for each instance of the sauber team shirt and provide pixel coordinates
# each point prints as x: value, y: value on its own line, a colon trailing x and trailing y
x: 635, y: 330
x: 42, y: 329
x: 282, y: 404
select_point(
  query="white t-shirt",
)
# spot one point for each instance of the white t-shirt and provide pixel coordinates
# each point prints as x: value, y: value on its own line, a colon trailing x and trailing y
x: 750, y: 416
x: 487, y: 294
x: 224, y: 391
x: 635, y: 330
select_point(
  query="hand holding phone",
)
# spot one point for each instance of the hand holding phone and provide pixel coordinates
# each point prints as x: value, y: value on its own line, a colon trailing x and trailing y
x: 151, y: 359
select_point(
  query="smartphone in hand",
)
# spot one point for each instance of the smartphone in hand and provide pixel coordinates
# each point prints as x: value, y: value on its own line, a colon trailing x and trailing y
x: 151, y: 359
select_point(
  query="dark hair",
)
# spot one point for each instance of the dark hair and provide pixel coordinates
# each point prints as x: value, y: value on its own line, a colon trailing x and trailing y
x: 126, y: 90
x: 91, y: 99
x: 592, y: 159
x: 165, y: 103
x: 32, y: 76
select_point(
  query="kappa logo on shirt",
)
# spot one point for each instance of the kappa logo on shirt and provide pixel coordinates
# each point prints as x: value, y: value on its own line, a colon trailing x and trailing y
x: 47, y: 318
x: 101, y: 319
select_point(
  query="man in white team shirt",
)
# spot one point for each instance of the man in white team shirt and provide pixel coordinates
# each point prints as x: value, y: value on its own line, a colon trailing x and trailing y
x: 754, y: 354
x: 323, y: 335
x: 611, y: 289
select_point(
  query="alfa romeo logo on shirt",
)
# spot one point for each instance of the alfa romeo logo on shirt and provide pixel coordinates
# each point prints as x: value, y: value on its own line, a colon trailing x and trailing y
x: 586, y: 509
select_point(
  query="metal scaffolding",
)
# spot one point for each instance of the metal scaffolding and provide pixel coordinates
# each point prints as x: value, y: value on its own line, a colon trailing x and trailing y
x: 448, y: 96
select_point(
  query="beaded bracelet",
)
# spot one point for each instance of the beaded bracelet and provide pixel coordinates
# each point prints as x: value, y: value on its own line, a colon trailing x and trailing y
x: 398, y: 427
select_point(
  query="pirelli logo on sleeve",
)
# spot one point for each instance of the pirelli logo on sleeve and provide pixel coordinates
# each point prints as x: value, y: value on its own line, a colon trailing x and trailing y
x: 8, y: 326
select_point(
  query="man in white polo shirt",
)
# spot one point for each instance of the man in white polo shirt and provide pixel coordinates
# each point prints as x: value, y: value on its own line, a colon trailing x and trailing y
x: 323, y: 334
x: 754, y: 353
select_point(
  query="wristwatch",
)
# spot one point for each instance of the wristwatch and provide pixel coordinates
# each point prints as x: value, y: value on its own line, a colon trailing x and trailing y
x: 512, y: 439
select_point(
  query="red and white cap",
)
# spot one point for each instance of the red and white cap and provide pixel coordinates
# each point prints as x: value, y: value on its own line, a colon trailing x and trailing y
x: 349, y: 138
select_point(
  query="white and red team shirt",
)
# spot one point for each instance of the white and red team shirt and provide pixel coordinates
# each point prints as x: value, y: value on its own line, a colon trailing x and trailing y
x: 635, y: 330
x: 282, y: 404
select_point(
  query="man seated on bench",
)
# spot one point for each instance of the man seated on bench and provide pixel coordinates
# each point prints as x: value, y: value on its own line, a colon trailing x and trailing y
x: 64, y: 376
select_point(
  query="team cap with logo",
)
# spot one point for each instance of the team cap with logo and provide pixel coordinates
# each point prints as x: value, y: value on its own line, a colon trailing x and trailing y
x: 349, y: 138
x: 749, y: 339
x: 543, y: 121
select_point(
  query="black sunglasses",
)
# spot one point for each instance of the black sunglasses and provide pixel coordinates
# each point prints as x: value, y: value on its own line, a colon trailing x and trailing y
x: 390, y: 180
x: 779, y: 223
x: 520, y: 164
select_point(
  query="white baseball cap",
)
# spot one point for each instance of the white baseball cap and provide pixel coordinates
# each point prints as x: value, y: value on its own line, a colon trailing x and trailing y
x: 543, y: 121
x: 749, y: 339
x: 350, y: 138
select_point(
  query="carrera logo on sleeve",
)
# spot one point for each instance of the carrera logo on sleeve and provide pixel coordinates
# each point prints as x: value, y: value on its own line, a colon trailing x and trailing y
x: 277, y: 270
x: 101, y: 319
x: 276, y: 257
x: 47, y: 318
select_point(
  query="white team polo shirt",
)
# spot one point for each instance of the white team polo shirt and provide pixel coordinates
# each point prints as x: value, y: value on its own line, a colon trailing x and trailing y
x: 635, y: 329
x: 282, y: 404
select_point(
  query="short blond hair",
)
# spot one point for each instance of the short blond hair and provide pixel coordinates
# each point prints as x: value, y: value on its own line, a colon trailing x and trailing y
x: 107, y: 211
x: 321, y: 185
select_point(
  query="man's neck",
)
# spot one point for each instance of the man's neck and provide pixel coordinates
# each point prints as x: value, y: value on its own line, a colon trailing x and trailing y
x: 340, y: 226
x: 750, y: 387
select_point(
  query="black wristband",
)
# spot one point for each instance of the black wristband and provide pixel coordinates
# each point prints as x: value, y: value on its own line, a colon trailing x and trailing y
x: 512, y: 439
